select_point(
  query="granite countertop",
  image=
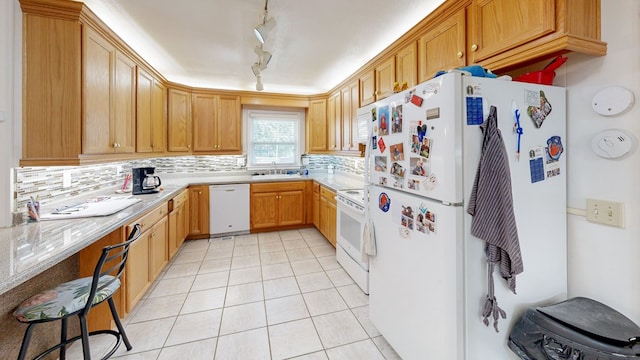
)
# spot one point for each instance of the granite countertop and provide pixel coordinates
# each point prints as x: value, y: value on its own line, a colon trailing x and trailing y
x: 32, y: 248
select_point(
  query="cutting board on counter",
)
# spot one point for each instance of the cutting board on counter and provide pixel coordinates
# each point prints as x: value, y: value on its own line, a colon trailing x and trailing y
x: 92, y: 208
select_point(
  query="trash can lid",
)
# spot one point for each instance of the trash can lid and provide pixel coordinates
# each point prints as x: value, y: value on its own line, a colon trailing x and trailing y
x: 594, y: 319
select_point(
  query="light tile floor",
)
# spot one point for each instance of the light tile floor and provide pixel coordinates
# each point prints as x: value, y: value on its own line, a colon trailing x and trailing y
x: 277, y: 295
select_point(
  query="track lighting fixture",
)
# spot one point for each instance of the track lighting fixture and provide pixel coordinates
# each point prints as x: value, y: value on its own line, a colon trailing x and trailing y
x: 262, y: 30
x: 259, y: 85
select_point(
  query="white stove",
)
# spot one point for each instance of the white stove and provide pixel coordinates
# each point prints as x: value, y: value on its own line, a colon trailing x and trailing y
x: 350, y: 227
x: 352, y: 197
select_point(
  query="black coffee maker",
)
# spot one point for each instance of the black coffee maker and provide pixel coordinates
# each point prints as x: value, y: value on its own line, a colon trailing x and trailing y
x: 144, y: 182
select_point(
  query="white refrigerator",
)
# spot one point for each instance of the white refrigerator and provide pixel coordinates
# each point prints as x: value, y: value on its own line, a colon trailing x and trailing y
x: 429, y: 278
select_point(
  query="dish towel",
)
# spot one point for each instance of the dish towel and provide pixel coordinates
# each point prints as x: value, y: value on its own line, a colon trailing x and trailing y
x: 368, y: 233
x: 491, y: 206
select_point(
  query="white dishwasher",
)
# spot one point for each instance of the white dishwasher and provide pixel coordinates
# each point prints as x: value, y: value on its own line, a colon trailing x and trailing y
x: 228, y: 209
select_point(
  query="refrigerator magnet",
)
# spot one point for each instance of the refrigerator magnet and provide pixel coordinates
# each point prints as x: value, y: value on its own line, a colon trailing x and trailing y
x: 397, y: 171
x: 415, y: 144
x: 430, y: 183
x: 381, y: 145
x: 396, y: 119
x: 384, y: 202
x: 418, y: 166
x: 374, y: 142
x: 382, y: 181
x: 397, y: 152
x: 408, y: 96
x: 413, y: 184
x: 425, y: 147
x: 416, y: 100
x: 406, y: 217
x: 426, y: 220
x: 538, y: 106
x: 554, y: 147
x: 383, y: 121
x: 380, y: 163
x: 433, y: 113
x: 474, y: 111
x: 536, y: 164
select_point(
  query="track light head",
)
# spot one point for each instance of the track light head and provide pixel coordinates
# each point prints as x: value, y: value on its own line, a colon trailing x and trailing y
x: 262, y: 30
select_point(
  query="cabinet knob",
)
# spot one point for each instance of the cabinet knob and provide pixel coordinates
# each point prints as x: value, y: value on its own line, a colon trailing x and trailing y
x: 474, y: 47
x: 460, y: 54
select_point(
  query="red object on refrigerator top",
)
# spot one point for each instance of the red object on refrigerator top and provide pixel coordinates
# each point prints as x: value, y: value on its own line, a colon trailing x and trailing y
x: 544, y: 76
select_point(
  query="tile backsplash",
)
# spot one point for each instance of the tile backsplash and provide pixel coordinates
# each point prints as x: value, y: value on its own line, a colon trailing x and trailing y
x: 46, y: 183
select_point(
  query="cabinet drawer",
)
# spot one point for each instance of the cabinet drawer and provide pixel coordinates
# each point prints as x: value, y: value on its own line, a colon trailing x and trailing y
x: 178, y: 200
x: 152, y: 217
x: 328, y: 194
x: 277, y: 186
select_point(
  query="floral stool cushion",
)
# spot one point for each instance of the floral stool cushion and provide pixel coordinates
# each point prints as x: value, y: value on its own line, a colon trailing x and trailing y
x: 63, y: 300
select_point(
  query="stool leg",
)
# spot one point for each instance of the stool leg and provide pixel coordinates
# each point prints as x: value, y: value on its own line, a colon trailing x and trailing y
x: 63, y: 339
x: 116, y: 319
x: 25, y: 342
x: 86, y: 351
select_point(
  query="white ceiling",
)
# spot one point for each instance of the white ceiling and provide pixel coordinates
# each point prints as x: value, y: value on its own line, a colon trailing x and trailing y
x: 210, y: 43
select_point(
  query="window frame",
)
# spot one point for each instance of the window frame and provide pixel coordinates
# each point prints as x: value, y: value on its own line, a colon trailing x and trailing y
x: 297, y: 115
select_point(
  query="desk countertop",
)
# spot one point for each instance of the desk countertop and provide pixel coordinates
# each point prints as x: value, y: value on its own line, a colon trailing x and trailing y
x: 32, y: 248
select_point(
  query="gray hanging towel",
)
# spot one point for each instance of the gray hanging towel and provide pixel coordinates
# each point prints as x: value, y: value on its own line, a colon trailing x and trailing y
x: 491, y: 205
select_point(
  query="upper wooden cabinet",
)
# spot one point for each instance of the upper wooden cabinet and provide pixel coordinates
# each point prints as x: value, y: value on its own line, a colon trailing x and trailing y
x: 406, y: 65
x: 505, y: 34
x: 350, y: 101
x: 385, y: 78
x: 334, y: 121
x: 317, y: 126
x: 217, y: 124
x: 442, y: 47
x: 367, y: 88
x: 179, y: 121
x: 151, y: 117
x: 108, y: 97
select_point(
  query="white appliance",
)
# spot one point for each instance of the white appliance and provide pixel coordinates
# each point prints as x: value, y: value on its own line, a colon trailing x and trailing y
x: 349, y: 229
x: 429, y: 281
x: 229, y: 209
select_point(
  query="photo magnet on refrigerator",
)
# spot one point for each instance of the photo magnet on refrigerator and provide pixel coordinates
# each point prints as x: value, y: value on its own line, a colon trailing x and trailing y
x: 538, y: 107
x: 406, y: 217
x: 383, y: 121
x: 396, y: 119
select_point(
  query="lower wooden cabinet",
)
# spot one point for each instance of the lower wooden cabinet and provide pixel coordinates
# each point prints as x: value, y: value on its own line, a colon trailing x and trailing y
x: 178, y: 222
x: 277, y: 205
x: 147, y: 256
x: 198, y: 211
x: 316, y: 205
x: 327, y: 214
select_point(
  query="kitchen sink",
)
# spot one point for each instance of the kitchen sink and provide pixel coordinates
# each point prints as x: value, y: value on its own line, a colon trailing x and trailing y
x: 275, y: 176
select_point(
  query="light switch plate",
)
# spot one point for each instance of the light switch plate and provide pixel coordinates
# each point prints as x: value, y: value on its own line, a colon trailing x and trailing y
x: 605, y: 212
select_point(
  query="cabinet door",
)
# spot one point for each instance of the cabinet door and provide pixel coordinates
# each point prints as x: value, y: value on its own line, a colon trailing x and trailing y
x: 317, y: 126
x: 406, y: 66
x: 264, y: 210
x: 172, y: 241
x: 316, y: 207
x: 334, y: 121
x: 137, y: 270
x: 99, y: 56
x: 158, y: 253
x: 442, y: 48
x: 144, y: 93
x: 350, y: 102
x: 199, y: 211
x: 385, y: 77
x: 499, y: 25
x: 204, y: 123
x: 229, y: 125
x: 367, y: 88
x: 124, y: 104
x: 291, y: 208
x: 179, y: 121
x: 159, y: 117
x: 331, y: 222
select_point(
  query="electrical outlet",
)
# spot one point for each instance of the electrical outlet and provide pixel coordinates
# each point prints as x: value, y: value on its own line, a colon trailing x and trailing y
x: 605, y: 212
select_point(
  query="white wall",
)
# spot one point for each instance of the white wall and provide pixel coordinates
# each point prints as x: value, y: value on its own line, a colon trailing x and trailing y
x: 604, y: 261
x: 9, y: 97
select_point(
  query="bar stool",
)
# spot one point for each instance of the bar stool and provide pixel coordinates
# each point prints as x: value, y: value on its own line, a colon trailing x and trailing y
x: 71, y: 298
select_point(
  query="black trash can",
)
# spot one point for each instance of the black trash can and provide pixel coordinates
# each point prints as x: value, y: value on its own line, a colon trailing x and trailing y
x: 575, y: 329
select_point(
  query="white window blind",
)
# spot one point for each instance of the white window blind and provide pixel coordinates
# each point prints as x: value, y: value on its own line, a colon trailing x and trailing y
x: 274, y: 137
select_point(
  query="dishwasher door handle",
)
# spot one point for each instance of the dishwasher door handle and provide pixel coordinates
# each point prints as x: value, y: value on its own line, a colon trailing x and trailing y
x: 230, y: 190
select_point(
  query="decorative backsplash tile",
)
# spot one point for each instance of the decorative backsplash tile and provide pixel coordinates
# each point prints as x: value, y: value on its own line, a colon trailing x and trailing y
x: 46, y: 183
